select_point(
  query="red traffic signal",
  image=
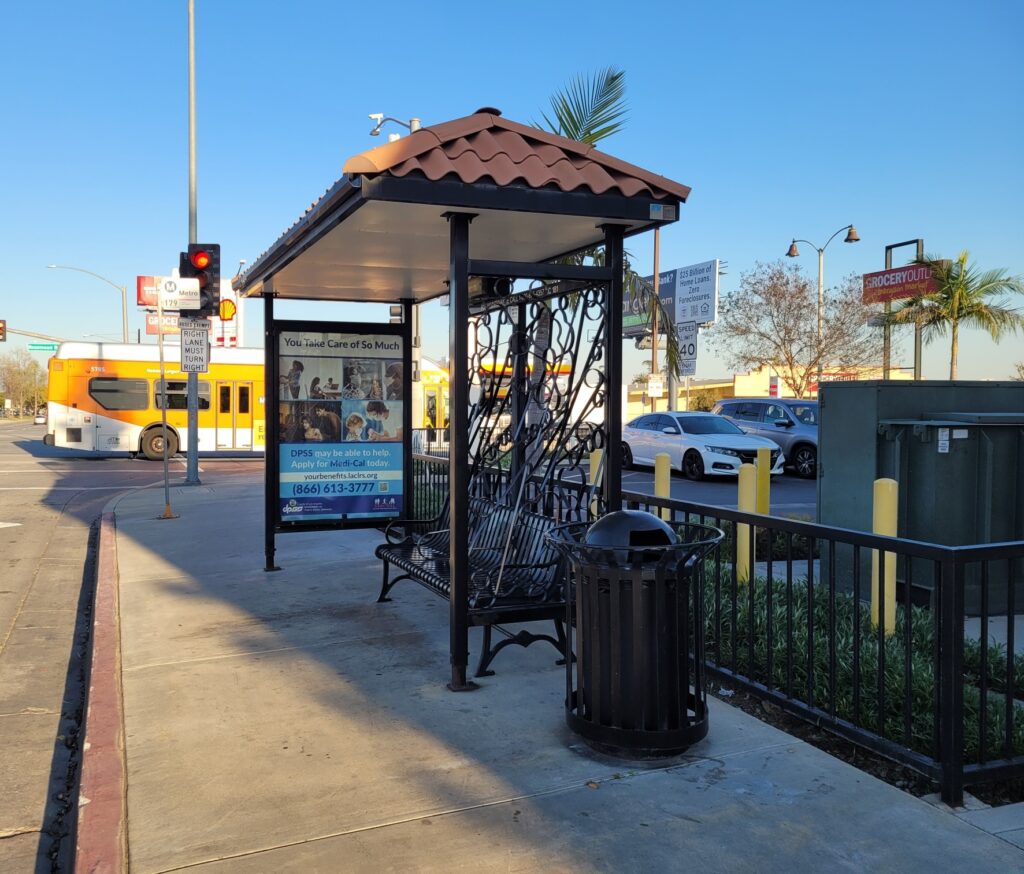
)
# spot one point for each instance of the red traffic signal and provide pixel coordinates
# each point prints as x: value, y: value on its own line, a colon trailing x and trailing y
x: 200, y: 258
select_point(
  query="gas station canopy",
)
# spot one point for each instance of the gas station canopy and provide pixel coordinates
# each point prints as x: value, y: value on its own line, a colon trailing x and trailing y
x: 379, y: 234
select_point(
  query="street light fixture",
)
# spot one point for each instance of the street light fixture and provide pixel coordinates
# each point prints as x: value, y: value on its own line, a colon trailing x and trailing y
x: 121, y: 288
x: 851, y: 237
x: 413, y: 125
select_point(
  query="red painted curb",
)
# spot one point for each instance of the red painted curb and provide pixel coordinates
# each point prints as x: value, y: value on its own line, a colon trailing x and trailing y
x: 101, y: 839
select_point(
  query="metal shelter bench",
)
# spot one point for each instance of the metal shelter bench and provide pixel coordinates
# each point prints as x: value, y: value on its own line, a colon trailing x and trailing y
x: 514, y: 576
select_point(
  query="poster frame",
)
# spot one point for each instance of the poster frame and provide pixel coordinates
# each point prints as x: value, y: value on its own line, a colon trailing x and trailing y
x: 278, y: 525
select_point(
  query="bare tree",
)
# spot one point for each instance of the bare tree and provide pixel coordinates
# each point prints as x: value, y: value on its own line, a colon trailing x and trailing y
x: 23, y: 380
x: 772, y: 321
x: 1018, y: 371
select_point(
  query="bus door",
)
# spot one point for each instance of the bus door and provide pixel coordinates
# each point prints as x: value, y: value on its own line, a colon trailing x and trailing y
x: 234, y: 415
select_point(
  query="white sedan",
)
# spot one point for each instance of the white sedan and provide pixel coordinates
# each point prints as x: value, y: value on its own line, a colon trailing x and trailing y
x: 698, y: 444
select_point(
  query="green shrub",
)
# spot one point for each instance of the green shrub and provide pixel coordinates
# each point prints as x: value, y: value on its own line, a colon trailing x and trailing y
x: 731, y: 645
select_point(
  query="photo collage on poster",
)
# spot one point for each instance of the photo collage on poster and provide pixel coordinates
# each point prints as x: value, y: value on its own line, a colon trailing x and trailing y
x: 340, y: 425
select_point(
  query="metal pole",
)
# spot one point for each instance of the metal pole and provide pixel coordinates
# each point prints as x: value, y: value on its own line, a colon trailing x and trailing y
x: 192, y: 232
x: 654, y: 319
x: 821, y: 308
x: 192, y: 396
x: 917, y: 325
x: 458, y: 457
x: 887, y: 328
x: 613, y: 235
x: 271, y: 432
x: 163, y: 407
x: 124, y: 314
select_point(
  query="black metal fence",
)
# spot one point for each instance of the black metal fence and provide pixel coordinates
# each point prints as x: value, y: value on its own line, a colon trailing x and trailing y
x: 924, y: 684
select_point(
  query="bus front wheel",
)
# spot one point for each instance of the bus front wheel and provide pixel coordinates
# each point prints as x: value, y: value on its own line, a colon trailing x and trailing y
x: 153, y: 444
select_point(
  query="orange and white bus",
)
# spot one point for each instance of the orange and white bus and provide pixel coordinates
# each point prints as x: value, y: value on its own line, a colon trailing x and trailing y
x: 105, y: 399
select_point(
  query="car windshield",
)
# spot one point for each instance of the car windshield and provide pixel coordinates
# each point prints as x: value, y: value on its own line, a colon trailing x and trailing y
x: 707, y: 425
x: 807, y: 414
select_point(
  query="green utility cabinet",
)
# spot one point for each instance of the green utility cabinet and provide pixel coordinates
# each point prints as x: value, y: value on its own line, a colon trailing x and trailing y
x: 957, y: 451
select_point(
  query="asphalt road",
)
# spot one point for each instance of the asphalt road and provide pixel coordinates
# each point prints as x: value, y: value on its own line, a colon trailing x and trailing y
x: 49, y: 501
x: 789, y: 496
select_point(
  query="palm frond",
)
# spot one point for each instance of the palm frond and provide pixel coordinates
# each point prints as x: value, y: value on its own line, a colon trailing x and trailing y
x: 589, y: 109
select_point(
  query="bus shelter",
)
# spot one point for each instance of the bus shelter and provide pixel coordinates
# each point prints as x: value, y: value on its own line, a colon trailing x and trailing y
x: 523, y: 231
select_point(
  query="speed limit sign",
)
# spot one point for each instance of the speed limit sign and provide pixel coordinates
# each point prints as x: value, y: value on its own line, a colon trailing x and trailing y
x: 686, y: 332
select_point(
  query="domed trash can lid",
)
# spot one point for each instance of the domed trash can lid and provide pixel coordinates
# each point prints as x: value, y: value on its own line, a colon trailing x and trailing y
x: 630, y: 528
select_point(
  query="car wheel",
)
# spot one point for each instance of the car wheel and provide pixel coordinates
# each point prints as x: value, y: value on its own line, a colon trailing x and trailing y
x: 693, y: 465
x: 805, y: 461
x: 153, y: 445
x: 627, y: 457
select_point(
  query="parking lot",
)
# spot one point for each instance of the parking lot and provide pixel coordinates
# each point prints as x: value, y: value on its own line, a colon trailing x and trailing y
x: 790, y: 495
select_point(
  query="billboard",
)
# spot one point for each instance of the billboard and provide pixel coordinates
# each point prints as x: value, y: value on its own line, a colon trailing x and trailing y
x: 688, y: 294
x: 340, y: 439
x: 899, y: 283
x: 696, y: 297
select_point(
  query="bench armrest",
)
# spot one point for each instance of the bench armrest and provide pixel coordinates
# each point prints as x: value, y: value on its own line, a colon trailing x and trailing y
x: 391, y: 533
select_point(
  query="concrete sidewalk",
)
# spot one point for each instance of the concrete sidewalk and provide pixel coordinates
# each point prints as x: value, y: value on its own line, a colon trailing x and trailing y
x: 287, y: 722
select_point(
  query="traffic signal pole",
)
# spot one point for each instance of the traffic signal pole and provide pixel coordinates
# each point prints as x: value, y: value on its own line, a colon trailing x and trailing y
x: 192, y: 392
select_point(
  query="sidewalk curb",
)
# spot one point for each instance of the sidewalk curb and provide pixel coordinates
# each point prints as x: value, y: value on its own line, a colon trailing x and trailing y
x: 101, y: 839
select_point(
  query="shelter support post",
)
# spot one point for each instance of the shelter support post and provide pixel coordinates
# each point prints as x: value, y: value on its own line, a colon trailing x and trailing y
x: 613, y: 259
x: 410, y: 363
x: 272, y: 456
x: 458, y: 456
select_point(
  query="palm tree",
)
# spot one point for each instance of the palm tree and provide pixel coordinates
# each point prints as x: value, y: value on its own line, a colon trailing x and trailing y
x: 588, y: 110
x: 965, y: 296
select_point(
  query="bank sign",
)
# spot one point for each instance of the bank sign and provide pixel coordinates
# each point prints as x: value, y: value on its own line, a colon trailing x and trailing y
x: 340, y: 445
x: 899, y: 283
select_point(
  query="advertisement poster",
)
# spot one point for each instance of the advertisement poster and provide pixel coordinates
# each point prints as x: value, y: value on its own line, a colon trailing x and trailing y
x: 340, y: 441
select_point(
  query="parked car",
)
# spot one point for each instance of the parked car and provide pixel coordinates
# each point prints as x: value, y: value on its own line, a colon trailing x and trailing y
x: 789, y: 422
x: 40, y: 420
x: 698, y: 444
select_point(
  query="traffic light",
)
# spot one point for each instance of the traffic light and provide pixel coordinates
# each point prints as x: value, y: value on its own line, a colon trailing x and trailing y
x: 202, y: 262
x: 3, y: 330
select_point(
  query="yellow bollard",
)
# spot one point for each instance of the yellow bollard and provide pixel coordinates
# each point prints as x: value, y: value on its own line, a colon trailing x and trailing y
x: 883, y: 521
x: 747, y: 503
x: 596, y: 460
x: 663, y: 480
x: 764, y: 479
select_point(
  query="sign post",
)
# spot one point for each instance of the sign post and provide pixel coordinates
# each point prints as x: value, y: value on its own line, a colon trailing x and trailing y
x: 686, y: 332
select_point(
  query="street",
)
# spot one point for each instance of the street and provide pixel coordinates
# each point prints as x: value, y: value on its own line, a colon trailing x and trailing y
x: 49, y: 501
x: 790, y: 495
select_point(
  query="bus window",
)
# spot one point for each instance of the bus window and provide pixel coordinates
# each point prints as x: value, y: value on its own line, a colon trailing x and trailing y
x: 243, y: 399
x: 177, y: 394
x: 112, y: 393
x: 225, y: 399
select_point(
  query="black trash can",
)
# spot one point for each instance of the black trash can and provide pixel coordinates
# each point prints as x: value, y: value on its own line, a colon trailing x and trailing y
x: 635, y: 614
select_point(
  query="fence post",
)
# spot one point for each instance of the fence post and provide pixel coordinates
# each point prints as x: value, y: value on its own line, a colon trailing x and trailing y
x: 764, y: 480
x: 951, y: 681
x: 663, y: 481
x: 747, y: 503
x: 883, y: 521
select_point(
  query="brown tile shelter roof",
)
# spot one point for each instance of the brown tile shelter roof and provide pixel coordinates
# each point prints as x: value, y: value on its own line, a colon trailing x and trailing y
x: 486, y: 147
x: 380, y: 233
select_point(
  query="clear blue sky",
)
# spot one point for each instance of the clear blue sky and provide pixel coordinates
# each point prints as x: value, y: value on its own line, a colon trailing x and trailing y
x: 787, y: 119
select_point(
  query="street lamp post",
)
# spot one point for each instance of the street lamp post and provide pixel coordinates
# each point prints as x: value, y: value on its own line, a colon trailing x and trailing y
x: 851, y: 237
x: 121, y: 288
